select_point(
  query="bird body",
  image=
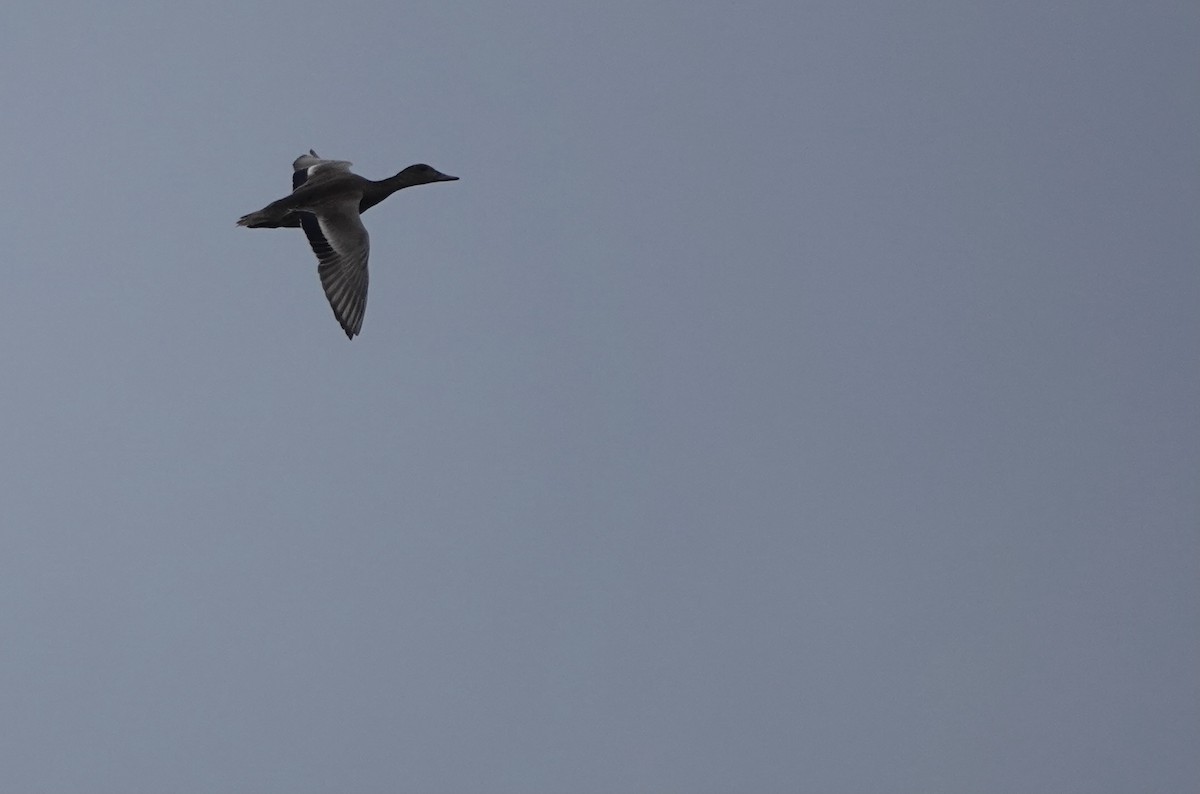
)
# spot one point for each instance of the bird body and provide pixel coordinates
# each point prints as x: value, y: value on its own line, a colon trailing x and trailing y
x: 327, y: 201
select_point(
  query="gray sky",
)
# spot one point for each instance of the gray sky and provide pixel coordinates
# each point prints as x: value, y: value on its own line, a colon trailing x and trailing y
x: 789, y: 397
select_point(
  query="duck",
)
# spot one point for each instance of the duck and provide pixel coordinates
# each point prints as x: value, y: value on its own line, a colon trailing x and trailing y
x: 327, y: 202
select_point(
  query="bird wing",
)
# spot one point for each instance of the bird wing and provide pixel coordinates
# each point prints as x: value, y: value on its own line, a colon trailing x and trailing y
x: 327, y: 168
x: 342, y: 244
x: 300, y: 168
x: 306, y: 220
x: 307, y: 166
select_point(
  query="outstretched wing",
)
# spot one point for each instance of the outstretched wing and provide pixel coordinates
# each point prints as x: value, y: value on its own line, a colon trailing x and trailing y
x: 341, y: 244
x: 306, y: 220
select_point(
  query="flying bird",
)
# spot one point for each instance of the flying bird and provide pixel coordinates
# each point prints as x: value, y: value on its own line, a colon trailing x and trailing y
x: 327, y: 202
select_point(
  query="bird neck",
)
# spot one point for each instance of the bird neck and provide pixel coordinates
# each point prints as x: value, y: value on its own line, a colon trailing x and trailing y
x: 378, y: 191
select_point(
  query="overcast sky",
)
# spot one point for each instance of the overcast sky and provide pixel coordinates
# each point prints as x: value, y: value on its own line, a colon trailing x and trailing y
x: 790, y: 397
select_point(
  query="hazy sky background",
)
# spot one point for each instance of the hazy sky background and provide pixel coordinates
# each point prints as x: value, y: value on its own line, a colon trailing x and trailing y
x: 790, y: 397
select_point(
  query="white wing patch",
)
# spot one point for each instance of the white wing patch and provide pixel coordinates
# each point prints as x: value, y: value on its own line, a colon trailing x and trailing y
x: 329, y: 167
